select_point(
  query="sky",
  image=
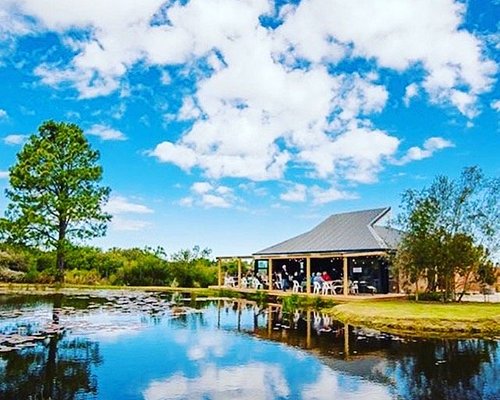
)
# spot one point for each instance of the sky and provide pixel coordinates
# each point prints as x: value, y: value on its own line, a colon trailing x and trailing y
x: 236, y: 124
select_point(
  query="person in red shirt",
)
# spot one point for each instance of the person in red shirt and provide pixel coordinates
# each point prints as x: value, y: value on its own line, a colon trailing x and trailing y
x: 325, y: 276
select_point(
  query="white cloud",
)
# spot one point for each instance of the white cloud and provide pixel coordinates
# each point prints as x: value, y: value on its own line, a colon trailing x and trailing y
x: 125, y: 224
x: 411, y: 91
x: 13, y: 140
x: 257, y: 110
x: 430, y: 146
x: 201, y: 187
x: 323, y: 196
x: 3, y: 113
x: 209, y: 195
x: 165, y: 78
x: 121, y: 205
x: 296, y: 193
x: 4, y: 174
x: 105, y: 132
x: 495, y: 104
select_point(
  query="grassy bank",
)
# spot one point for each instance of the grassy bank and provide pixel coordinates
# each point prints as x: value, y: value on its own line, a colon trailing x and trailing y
x: 423, y: 319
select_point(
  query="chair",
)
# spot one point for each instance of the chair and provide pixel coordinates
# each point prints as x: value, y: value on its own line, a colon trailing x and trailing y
x: 354, y: 288
x: 256, y: 283
x: 229, y: 281
x: 317, y: 287
x: 244, y: 283
x: 296, y: 286
x: 326, y: 287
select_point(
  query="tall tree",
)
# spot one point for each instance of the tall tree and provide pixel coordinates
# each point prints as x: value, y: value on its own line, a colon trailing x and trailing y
x: 451, y: 227
x: 55, y: 193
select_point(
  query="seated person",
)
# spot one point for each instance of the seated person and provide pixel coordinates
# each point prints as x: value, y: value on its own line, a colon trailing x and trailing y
x: 326, y: 277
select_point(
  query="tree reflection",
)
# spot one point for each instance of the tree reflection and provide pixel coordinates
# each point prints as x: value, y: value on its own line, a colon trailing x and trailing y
x: 447, y: 369
x: 58, y: 369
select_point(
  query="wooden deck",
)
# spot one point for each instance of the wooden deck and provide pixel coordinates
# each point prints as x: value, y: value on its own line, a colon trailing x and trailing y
x: 331, y: 297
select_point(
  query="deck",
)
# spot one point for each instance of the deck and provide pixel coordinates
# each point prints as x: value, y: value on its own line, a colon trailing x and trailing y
x: 330, y: 297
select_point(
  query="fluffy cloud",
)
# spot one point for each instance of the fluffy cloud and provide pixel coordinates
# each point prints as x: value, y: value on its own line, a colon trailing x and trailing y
x: 120, y: 208
x: 105, y: 132
x: 297, y: 193
x: 495, y: 104
x: 411, y: 91
x: 121, y: 205
x: 4, y: 174
x: 209, y: 195
x: 13, y: 140
x: 254, y: 111
x: 323, y: 196
x: 430, y: 146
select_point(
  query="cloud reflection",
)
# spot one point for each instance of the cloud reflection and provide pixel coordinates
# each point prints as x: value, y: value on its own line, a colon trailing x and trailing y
x: 251, y: 381
x: 332, y: 385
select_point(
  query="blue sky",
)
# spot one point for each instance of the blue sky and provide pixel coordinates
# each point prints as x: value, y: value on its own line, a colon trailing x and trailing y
x: 237, y: 124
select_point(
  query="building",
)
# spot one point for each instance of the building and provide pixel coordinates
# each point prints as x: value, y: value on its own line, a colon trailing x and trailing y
x: 353, y: 248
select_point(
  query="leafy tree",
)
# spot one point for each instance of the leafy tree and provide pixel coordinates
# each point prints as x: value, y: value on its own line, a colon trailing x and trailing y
x: 451, y: 228
x: 55, y: 195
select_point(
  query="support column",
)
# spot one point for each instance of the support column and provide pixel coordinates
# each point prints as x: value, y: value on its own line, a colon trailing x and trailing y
x: 308, y: 329
x: 270, y: 273
x: 239, y: 272
x: 220, y: 273
x: 308, y: 275
x: 346, y: 341
x: 346, y: 277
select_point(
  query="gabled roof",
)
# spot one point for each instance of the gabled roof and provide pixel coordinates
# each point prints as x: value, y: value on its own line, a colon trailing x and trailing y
x: 352, y: 231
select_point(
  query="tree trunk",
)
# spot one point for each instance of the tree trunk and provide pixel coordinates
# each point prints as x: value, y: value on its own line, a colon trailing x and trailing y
x: 61, y: 251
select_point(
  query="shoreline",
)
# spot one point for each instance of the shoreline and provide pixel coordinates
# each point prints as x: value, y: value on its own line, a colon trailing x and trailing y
x: 424, y: 319
x: 400, y: 317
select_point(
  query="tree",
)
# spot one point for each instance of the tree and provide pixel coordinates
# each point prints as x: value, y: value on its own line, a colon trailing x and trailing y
x: 55, y: 193
x: 451, y: 228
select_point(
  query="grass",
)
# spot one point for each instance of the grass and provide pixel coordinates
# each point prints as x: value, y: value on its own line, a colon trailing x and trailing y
x: 423, y: 318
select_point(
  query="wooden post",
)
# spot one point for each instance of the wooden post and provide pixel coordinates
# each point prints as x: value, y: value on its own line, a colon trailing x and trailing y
x: 346, y: 277
x: 220, y: 273
x: 239, y: 272
x: 269, y: 321
x: 308, y: 275
x: 270, y: 273
x: 346, y: 341
x: 308, y: 329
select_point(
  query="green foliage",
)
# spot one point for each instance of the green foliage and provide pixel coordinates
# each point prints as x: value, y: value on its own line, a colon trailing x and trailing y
x: 55, y: 196
x: 90, y: 265
x: 450, y: 228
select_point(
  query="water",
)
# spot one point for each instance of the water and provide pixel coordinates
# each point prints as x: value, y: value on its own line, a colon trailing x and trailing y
x: 117, y: 345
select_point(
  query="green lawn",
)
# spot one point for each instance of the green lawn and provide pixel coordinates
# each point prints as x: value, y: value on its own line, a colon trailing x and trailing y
x: 478, y: 319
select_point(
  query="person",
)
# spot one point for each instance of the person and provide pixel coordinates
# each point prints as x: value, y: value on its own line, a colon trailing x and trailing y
x: 326, y: 277
x: 285, y: 278
x: 318, y: 278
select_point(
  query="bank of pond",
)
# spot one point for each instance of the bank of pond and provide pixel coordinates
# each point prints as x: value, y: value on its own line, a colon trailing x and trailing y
x: 134, y: 344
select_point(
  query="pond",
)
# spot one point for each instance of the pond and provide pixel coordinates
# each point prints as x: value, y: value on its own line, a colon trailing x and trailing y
x: 136, y: 345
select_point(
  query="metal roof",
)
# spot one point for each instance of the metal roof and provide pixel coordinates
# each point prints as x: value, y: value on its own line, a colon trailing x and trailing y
x: 352, y: 231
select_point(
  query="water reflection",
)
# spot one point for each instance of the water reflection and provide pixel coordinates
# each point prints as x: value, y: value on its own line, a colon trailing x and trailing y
x: 57, y: 368
x: 146, y: 346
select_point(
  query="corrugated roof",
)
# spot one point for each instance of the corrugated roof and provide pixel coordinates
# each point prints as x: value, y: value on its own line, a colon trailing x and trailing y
x: 352, y: 231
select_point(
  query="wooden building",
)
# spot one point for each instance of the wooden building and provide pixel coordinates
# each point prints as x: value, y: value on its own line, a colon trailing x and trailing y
x: 349, y: 247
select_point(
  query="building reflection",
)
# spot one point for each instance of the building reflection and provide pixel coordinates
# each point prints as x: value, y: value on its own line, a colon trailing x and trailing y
x: 413, y: 368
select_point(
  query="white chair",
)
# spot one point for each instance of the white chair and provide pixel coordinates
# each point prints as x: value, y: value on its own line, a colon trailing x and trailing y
x: 354, y: 288
x: 244, y: 283
x: 296, y: 286
x: 316, y: 287
x: 229, y: 281
x: 256, y: 283
x: 326, y: 287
